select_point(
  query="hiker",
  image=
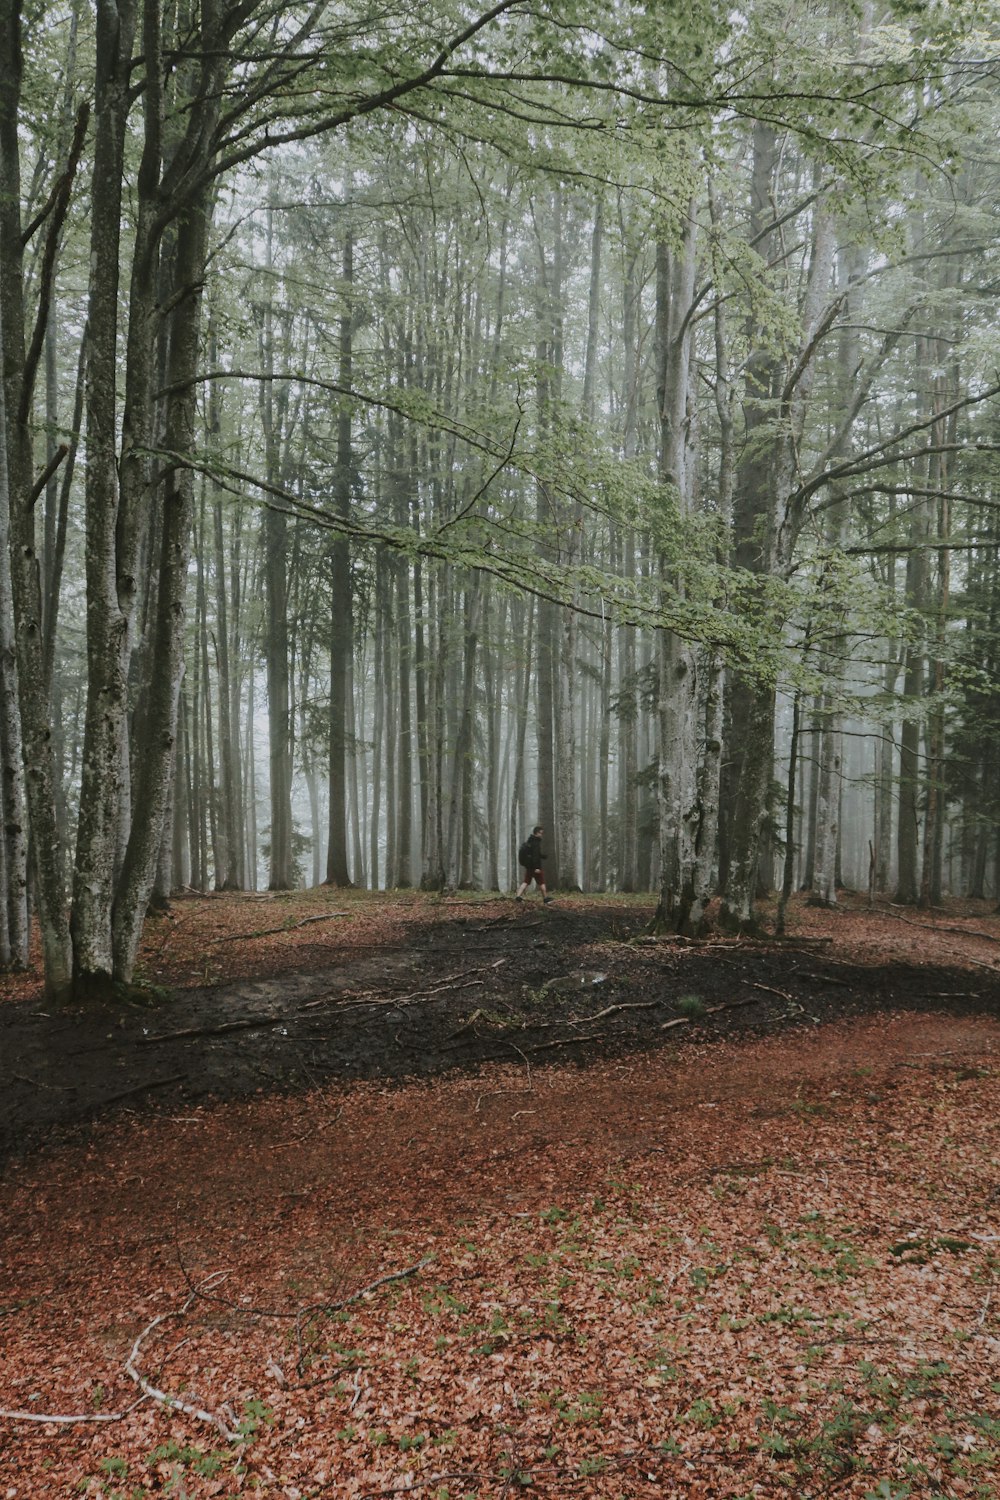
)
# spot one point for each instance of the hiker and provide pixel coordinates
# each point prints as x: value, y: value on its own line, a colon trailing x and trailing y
x: 530, y: 857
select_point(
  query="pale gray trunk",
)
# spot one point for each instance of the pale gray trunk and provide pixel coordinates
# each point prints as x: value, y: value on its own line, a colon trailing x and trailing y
x: 112, y: 585
x: 14, y: 841
x: 567, y: 801
x: 769, y: 517
x: 828, y: 805
x: 276, y: 656
x: 459, y: 863
x: 41, y: 773
x: 157, y: 732
x: 680, y: 698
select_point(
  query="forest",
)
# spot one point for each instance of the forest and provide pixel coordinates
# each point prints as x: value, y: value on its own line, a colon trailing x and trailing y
x: 422, y: 426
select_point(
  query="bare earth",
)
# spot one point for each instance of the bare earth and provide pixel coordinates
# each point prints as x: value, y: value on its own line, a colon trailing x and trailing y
x: 646, y: 1247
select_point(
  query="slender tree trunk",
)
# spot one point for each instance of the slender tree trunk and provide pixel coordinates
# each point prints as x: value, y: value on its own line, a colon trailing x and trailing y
x: 341, y: 602
x: 157, y: 732
x: 17, y: 501
x: 112, y: 584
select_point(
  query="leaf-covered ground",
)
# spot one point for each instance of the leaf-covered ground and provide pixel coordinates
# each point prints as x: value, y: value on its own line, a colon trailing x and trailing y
x: 697, y: 1262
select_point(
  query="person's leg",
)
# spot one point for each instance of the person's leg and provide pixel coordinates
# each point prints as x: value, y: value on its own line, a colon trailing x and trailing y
x: 522, y: 888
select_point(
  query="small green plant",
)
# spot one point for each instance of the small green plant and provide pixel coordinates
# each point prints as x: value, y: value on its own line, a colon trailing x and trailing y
x: 692, y: 1007
x: 702, y: 1413
x: 256, y: 1414
x: 590, y: 1466
x: 587, y: 1407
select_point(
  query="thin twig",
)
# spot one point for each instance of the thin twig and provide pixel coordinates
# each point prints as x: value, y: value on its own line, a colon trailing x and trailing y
x: 142, y: 1088
x: 567, y: 1041
x: 251, y: 1023
x: 782, y: 994
x: 974, y: 932
x: 609, y: 1010
x: 523, y: 1055
x: 237, y: 937
x: 414, y: 997
x: 315, y: 1308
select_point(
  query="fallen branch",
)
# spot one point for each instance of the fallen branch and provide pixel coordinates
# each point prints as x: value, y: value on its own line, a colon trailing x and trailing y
x: 64, y: 1421
x: 523, y: 1056
x: 38, y: 1083
x: 164, y: 1398
x: 567, y: 1041
x: 975, y: 932
x: 446, y: 984
x: 315, y: 1308
x: 477, y: 1015
x: 781, y: 994
x: 609, y: 1010
x: 236, y: 937
x: 949, y: 995
x: 712, y: 1010
x: 142, y: 1088
x: 415, y: 996
x: 251, y: 1023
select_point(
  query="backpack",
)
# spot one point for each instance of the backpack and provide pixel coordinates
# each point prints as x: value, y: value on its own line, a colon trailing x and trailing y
x: 526, y: 855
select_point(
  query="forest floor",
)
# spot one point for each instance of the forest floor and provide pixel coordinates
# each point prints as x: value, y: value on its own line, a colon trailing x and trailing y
x: 458, y: 1197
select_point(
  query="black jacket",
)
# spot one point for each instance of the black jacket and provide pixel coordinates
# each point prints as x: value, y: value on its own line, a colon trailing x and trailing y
x: 533, y: 849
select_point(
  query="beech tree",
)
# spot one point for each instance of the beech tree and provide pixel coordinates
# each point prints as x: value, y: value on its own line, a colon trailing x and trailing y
x: 565, y: 379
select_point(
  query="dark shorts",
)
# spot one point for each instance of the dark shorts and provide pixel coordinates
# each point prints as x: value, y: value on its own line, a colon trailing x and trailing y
x: 530, y: 875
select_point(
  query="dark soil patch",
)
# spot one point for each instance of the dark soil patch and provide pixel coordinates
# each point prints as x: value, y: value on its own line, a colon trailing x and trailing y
x: 475, y: 985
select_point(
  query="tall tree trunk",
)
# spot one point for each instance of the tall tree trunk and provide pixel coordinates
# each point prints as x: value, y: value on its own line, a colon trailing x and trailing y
x: 18, y: 501
x: 157, y: 730
x: 112, y: 584
x: 341, y: 602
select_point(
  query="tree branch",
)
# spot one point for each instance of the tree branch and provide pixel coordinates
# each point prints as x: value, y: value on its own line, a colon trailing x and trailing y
x: 59, y: 209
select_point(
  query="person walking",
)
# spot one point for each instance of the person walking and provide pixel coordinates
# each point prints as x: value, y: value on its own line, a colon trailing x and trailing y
x: 530, y: 857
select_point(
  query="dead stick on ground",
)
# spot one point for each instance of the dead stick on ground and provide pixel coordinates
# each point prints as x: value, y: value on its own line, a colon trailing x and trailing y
x: 412, y: 998
x: 524, y: 1057
x: 567, y: 1041
x: 975, y: 932
x: 712, y: 1010
x: 609, y: 1010
x: 164, y: 1398
x: 730, y: 1005
x: 142, y: 1088
x: 64, y: 1421
x: 782, y: 994
x: 252, y: 1023
x: 314, y: 1309
x: 446, y: 983
x: 236, y: 937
